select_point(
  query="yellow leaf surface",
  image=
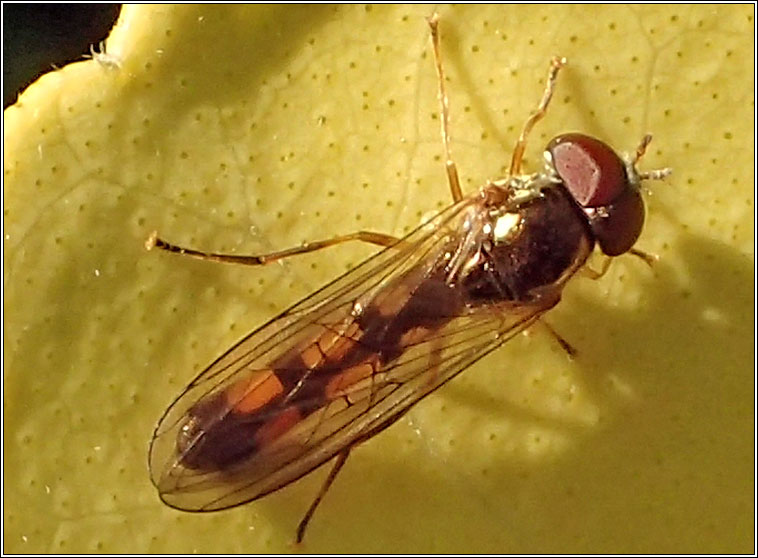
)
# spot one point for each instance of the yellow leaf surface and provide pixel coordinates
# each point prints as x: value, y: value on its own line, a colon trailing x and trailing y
x: 249, y: 129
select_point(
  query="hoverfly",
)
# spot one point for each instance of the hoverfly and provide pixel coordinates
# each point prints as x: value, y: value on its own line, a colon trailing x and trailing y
x: 349, y: 360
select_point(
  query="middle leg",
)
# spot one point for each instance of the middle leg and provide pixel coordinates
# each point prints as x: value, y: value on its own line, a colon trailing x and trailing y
x: 379, y: 239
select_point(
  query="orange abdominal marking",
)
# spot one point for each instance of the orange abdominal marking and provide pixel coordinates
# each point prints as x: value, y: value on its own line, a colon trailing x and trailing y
x: 341, y: 383
x: 337, y: 344
x: 390, y: 303
x: 312, y: 356
x: 250, y: 394
x: 277, y: 426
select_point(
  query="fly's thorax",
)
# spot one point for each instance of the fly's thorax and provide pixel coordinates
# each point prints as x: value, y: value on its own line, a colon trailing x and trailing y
x: 524, y: 240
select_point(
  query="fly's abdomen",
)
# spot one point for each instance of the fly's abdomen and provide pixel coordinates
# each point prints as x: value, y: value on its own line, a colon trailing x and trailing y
x: 343, y: 361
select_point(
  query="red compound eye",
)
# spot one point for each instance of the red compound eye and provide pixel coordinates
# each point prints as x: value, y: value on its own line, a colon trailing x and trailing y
x: 618, y: 225
x: 596, y: 178
x: 592, y: 172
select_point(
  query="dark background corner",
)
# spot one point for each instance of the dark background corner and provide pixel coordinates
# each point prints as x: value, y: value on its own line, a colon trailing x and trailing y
x: 39, y: 37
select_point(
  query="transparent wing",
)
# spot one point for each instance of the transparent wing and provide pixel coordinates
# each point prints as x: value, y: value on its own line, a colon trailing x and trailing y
x: 356, y: 410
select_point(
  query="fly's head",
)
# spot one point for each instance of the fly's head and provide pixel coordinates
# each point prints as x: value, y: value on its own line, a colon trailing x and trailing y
x: 604, y: 185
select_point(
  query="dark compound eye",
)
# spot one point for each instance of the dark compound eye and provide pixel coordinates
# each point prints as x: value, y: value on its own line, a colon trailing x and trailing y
x: 617, y: 226
x: 596, y: 178
x: 592, y: 172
